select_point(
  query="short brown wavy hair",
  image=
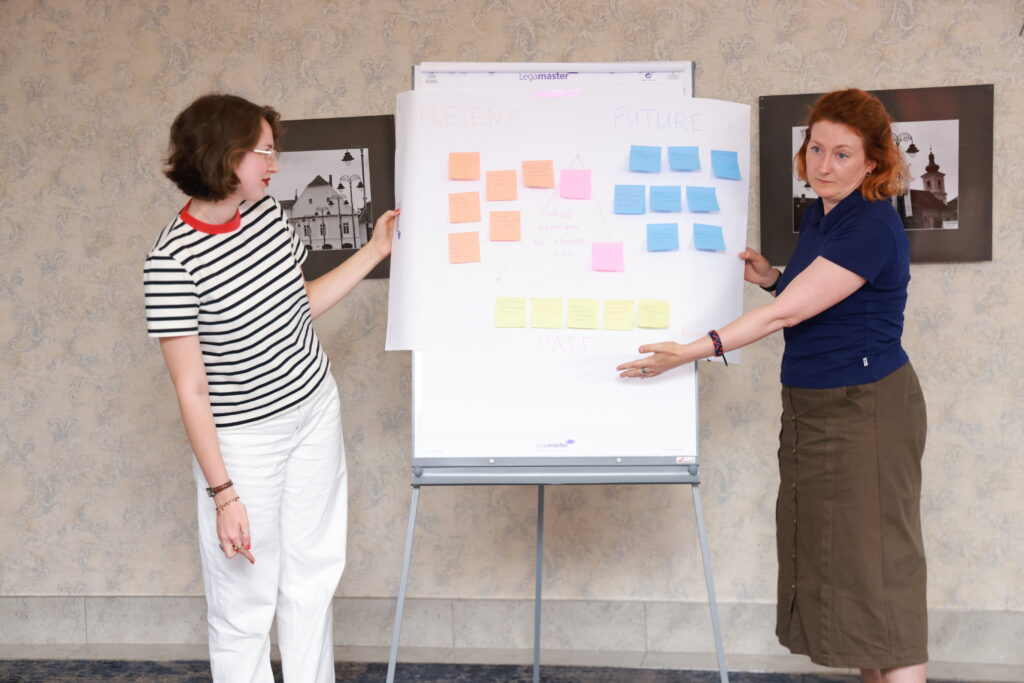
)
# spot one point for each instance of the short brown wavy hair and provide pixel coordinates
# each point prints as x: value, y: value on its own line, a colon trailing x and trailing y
x: 209, y: 138
x: 866, y: 116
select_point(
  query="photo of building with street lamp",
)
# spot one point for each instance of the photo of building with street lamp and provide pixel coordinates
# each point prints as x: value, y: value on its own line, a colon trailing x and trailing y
x: 326, y: 197
x: 932, y: 200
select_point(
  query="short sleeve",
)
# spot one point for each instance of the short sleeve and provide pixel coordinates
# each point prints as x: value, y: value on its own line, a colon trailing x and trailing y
x: 172, y: 304
x: 865, y: 247
x: 298, y: 248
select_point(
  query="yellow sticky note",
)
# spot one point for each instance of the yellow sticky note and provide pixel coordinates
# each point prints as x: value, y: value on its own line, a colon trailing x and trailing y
x: 546, y: 313
x: 501, y: 186
x: 505, y: 226
x: 618, y: 314
x: 510, y: 311
x: 653, y: 314
x: 538, y: 174
x: 464, y: 207
x: 463, y: 247
x: 464, y: 166
x: 582, y: 314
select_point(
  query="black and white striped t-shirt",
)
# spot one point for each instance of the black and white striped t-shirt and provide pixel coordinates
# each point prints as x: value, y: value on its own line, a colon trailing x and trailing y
x: 239, y: 286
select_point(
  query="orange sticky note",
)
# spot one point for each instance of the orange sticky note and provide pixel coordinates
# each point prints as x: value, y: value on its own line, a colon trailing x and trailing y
x: 538, y: 174
x: 463, y: 247
x: 464, y: 166
x: 505, y: 226
x: 501, y: 186
x: 464, y: 207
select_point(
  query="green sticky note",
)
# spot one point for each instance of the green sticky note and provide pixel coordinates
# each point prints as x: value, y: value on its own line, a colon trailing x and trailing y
x: 546, y: 313
x: 619, y: 314
x: 510, y: 311
x: 582, y: 314
x: 653, y: 314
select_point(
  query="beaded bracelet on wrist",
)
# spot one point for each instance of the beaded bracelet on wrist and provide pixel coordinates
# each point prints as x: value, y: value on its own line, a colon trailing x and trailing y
x: 220, y: 508
x: 717, y: 342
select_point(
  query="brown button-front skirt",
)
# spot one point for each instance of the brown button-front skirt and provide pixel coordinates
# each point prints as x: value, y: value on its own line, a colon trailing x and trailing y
x: 851, y: 557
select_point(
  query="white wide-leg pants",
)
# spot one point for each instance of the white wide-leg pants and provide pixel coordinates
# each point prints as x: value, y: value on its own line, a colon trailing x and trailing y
x: 290, y: 473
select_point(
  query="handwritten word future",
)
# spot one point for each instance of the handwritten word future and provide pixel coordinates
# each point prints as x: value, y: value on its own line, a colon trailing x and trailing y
x: 648, y: 117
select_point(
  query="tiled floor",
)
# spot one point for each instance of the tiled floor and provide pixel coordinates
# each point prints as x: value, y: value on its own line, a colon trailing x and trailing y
x: 173, y: 663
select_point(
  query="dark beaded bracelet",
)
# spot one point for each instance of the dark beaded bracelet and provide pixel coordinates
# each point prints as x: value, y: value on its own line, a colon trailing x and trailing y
x: 717, y: 342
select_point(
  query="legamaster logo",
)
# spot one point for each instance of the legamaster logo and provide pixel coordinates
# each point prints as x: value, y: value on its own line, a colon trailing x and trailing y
x: 553, y: 76
x: 557, y: 444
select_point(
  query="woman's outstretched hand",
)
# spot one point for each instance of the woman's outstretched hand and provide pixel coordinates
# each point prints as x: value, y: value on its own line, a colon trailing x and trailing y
x: 664, y: 356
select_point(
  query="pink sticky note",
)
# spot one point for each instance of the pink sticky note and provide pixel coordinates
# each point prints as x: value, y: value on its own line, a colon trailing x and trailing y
x: 607, y: 257
x: 574, y: 184
x: 464, y: 207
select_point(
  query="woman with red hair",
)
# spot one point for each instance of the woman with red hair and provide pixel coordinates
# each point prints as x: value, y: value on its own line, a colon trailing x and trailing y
x: 851, y: 585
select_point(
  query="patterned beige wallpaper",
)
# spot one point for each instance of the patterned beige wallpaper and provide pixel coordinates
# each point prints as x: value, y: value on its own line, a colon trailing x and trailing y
x: 95, y: 497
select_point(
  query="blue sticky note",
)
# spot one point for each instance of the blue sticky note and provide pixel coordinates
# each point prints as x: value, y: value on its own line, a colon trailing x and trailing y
x: 708, y: 237
x: 629, y: 199
x: 644, y: 159
x: 666, y: 198
x: 662, y: 236
x: 701, y: 198
x: 684, y: 158
x: 725, y: 164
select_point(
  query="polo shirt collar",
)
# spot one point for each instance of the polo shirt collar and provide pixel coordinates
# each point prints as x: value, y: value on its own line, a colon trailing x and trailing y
x: 847, y: 205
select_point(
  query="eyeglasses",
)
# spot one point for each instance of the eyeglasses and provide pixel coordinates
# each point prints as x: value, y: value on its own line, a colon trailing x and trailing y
x: 271, y: 155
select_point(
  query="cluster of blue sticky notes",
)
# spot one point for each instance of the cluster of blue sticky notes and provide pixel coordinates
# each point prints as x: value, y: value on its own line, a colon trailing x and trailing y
x: 701, y: 199
x: 629, y: 199
x: 644, y: 158
x: 662, y: 236
x: 666, y: 198
x: 725, y: 164
x: 684, y: 158
x: 708, y: 237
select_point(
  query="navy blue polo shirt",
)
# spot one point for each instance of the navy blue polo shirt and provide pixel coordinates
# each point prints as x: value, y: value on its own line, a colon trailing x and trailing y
x: 857, y: 341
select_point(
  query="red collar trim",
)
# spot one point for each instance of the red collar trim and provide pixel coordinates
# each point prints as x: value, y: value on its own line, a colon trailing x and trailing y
x: 210, y: 228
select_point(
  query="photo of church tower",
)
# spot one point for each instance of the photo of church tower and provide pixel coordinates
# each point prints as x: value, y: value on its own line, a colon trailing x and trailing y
x: 930, y: 207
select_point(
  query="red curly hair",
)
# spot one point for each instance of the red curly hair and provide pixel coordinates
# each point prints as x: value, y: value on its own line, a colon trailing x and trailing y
x: 865, y: 115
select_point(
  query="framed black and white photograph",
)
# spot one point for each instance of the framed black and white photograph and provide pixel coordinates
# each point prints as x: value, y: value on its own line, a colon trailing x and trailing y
x: 945, y: 135
x: 336, y: 177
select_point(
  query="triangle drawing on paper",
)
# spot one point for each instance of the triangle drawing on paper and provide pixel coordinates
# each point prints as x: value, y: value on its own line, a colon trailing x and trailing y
x: 557, y: 238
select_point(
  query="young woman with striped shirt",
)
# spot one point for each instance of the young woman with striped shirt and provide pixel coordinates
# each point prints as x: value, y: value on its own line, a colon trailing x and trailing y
x: 226, y: 298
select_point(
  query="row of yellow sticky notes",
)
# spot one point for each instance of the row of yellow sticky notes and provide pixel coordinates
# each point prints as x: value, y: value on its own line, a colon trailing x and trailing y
x: 466, y: 166
x: 581, y: 314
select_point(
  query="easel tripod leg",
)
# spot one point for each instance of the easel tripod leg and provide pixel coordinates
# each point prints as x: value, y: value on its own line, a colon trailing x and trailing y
x: 399, y: 608
x: 705, y: 553
x: 540, y: 569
